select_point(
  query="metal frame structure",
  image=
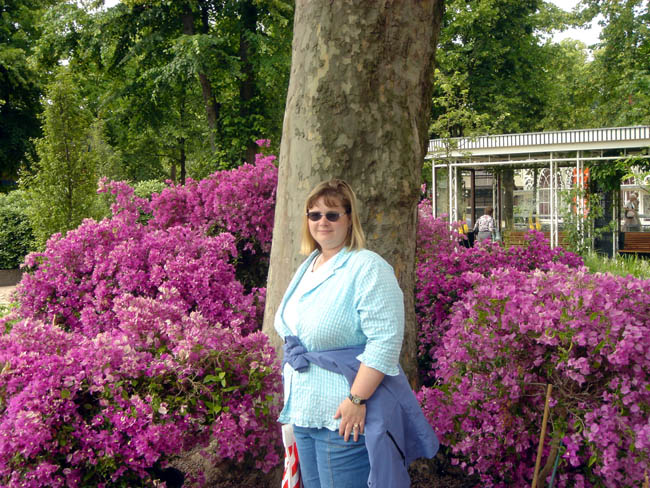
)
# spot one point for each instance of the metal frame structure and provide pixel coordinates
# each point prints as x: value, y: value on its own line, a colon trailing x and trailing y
x: 534, y: 149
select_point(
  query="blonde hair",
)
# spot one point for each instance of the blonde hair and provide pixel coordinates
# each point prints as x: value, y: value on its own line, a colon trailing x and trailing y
x: 333, y: 192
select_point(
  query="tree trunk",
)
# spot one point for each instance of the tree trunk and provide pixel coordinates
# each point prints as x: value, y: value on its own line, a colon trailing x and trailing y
x: 182, y: 162
x: 211, y: 106
x: 358, y: 109
x: 247, y: 82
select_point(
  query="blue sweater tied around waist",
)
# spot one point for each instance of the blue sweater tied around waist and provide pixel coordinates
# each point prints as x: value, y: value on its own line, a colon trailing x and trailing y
x: 396, y: 430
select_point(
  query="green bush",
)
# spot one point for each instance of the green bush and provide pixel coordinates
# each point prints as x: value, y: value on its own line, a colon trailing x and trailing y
x: 146, y: 188
x: 16, y: 236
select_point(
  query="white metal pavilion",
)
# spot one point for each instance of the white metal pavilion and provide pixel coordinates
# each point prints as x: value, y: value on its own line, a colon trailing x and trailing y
x: 548, y: 151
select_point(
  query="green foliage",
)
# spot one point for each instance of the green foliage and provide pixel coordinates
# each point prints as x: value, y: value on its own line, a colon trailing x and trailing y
x: 5, y: 310
x: 16, y: 236
x: 570, y: 94
x: 494, y: 45
x: 144, y: 189
x: 516, y: 76
x: 62, y: 191
x: 458, y: 117
x: 579, y: 219
x: 608, y: 176
x: 622, y: 64
x: 182, y: 88
x: 621, y: 266
x: 20, y: 90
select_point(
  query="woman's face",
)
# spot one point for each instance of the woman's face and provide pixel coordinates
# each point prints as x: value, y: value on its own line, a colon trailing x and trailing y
x: 330, y: 236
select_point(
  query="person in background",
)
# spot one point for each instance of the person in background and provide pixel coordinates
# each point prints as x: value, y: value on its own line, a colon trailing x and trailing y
x: 355, y: 418
x: 484, y: 226
x: 632, y: 222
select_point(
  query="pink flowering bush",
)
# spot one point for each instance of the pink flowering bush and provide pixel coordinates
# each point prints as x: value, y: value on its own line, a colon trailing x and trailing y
x: 77, y: 278
x: 136, y: 339
x: 442, y: 276
x: 240, y: 202
x: 515, y: 332
x: 101, y: 411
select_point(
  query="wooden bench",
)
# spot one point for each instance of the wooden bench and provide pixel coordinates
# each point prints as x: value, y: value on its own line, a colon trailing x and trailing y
x: 636, y: 242
x: 518, y: 238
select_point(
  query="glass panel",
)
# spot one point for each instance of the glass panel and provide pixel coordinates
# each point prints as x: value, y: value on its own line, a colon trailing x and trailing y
x: 483, y: 187
x: 526, y: 199
x: 442, y: 191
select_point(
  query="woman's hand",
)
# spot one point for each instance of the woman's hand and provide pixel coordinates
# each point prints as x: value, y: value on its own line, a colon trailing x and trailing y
x: 351, y: 415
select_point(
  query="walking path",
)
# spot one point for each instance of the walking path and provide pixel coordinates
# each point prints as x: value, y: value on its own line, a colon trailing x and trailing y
x: 5, y: 293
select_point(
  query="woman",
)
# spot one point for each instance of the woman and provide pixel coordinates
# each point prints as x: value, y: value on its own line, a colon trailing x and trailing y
x: 632, y: 222
x: 343, y: 317
x: 485, y: 226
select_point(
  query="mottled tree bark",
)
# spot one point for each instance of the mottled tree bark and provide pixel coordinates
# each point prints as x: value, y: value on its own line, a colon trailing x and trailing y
x: 358, y: 109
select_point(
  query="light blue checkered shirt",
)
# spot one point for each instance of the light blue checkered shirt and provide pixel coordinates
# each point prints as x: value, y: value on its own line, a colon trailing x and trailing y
x: 357, y: 302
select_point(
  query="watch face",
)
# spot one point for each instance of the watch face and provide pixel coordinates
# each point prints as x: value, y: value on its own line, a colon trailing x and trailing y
x: 355, y: 399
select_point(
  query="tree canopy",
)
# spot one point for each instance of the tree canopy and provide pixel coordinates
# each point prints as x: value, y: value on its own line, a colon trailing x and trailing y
x: 20, y: 83
x: 180, y: 88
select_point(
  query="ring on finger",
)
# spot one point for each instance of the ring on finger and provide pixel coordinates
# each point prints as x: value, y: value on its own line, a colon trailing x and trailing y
x: 355, y: 426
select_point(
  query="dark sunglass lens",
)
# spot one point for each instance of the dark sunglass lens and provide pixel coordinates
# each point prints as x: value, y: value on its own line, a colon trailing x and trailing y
x: 332, y: 216
x: 314, y: 216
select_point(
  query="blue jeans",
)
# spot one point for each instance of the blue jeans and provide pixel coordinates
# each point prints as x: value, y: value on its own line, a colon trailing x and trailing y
x: 327, y: 461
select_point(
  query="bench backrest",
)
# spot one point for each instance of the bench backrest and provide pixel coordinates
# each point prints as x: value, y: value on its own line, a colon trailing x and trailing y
x: 636, y: 241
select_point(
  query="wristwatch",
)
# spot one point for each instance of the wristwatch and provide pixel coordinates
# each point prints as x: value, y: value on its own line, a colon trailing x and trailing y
x: 356, y: 400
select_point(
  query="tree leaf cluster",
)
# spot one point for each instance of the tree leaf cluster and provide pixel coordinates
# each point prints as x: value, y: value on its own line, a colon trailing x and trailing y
x: 174, y: 88
x: 20, y: 82
x: 508, y: 73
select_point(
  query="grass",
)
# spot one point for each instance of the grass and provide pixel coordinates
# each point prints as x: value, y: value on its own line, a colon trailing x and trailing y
x: 622, y: 265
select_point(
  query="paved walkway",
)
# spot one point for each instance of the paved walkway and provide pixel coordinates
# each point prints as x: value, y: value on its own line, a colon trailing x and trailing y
x: 5, y: 293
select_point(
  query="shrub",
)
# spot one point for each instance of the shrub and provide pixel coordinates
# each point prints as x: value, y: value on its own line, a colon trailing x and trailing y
x: 515, y: 332
x: 135, y: 341
x: 16, y: 236
x: 101, y: 411
x: 76, y: 280
x: 442, y: 276
x: 147, y: 188
x: 61, y: 189
x: 241, y: 202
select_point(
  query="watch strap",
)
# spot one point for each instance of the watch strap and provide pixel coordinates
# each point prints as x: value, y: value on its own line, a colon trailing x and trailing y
x: 356, y: 400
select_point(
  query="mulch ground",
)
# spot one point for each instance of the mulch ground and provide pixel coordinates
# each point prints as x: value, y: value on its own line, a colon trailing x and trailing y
x: 434, y: 473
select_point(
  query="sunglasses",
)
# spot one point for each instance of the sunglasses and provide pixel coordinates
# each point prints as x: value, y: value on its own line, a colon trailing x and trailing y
x: 331, y: 216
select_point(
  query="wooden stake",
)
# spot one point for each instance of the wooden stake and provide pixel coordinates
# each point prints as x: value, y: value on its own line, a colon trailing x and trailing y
x: 540, y: 448
x: 646, y: 484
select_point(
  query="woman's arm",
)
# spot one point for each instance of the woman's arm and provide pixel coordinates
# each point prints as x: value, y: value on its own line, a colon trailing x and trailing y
x: 365, y: 384
x: 380, y: 306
